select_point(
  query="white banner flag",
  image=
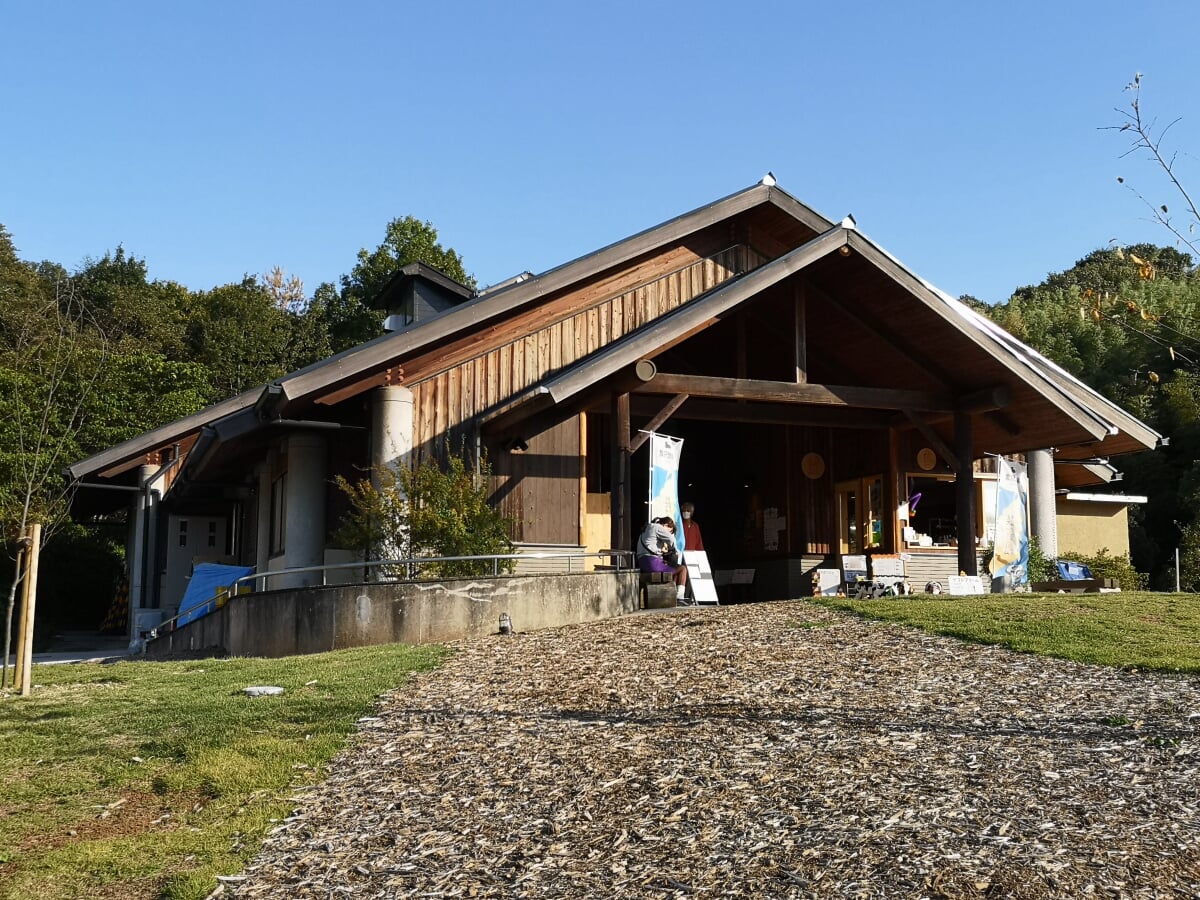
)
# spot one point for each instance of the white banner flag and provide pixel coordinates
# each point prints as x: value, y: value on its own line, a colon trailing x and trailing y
x: 664, y: 480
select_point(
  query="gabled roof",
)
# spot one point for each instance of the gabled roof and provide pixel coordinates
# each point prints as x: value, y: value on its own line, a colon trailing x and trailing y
x: 130, y: 453
x: 1094, y: 419
x: 1098, y: 422
x: 488, y: 306
x: 1084, y: 473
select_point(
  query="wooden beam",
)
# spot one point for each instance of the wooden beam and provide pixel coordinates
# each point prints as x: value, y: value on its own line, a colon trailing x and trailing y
x: 622, y: 529
x: 984, y: 400
x: 768, y: 413
x: 1005, y: 423
x: 964, y: 494
x: 390, y: 376
x: 987, y: 401
x: 852, y: 396
x: 892, y: 489
x: 665, y: 413
x: 800, y: 316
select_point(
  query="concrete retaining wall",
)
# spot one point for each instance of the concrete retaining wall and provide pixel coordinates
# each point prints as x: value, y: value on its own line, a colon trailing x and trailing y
x: 311, y: 620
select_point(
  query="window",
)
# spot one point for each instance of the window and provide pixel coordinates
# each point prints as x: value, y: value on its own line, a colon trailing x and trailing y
x: 183, y: 528
x: 278, y: 514
x: 212, y: 534
x: 933, y: 513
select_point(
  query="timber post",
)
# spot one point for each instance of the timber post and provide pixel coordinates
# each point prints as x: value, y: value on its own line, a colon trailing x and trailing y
x: 964, y: 493
x: 622, y: 530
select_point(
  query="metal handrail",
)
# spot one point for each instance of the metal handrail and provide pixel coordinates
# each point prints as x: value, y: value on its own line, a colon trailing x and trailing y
x: 623, y: 562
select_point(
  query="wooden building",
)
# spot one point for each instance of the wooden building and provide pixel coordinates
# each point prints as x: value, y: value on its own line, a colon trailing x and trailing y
x: 817, y: 383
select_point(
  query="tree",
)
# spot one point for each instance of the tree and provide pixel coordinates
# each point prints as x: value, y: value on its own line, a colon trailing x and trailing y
x: 1147, y: 139
x: 137, y: 391
x: 348, y: 315
x: 426, y: 511
x: 136, y: 313
x: 1129, y: 337
x: 1126, y: 321
x: 287, y: 291
x: 240, y: 334
x: 49, y: 363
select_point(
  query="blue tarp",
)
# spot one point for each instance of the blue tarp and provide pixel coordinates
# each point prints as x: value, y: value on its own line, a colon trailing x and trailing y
x: 1073, y: 571
x: 208, y: 581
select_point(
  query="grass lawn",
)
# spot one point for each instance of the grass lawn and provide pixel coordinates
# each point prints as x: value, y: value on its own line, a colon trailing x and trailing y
x: 1136, y: 629
x: 149, y: 779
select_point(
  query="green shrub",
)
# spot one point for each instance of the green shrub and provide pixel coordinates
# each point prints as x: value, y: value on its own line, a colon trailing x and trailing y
x: 1102, y: 565
x: 1040, y: 568
x: 427, y: 511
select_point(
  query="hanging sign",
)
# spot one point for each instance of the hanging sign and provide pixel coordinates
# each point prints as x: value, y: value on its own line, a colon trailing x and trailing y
x: 664, y: 480
x: 1010, y: 552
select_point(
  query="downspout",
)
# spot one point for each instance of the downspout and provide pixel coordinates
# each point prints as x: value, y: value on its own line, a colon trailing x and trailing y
x: 151, y: 586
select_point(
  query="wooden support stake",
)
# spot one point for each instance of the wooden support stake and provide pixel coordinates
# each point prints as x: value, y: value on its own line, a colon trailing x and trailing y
x: 19, y: 650
x: 30, y: 604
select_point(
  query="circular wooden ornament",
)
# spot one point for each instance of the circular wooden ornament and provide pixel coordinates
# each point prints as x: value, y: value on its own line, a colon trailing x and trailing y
x: 812, y: 465
x: 926, y: 458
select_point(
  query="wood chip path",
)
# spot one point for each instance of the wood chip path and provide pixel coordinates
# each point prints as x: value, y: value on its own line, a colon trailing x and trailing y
x: 767, y: 750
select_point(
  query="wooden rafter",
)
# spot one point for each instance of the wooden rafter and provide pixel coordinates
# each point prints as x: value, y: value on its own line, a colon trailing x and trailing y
x: 659, y: 419
x: 932, y: 436
x: 390, y: 376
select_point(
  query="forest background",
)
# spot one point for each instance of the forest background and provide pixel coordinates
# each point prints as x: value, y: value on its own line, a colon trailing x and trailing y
x: 94, y: 356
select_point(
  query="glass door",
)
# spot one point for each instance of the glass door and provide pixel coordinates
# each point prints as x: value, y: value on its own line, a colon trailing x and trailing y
x: 860, y: 512
x: 847, y: 511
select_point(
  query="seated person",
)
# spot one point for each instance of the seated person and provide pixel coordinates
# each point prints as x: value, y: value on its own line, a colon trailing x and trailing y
x: 655, y: 541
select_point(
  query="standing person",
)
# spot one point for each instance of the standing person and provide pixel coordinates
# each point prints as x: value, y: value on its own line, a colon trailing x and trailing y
x: 692, y: 539
x: 656, y: 541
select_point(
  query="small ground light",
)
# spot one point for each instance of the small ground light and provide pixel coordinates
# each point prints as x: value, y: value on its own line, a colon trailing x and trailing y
x: 505, y: 624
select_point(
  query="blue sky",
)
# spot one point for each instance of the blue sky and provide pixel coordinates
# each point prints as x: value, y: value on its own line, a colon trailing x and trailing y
x: 218, y: 139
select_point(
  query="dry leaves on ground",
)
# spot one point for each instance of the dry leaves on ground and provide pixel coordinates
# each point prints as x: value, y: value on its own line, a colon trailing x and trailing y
x: 768, y: 750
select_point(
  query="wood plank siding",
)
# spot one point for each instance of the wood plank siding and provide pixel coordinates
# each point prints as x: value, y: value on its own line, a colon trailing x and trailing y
x: 465, y: 387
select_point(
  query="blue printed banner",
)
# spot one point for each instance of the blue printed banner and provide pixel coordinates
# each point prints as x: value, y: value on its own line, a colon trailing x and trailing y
x: 664, y: 480
x: 1010, y: 551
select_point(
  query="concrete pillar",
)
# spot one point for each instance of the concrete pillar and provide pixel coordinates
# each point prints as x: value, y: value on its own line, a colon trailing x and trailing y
x: 391, y: 427
x: 262, y: 533
x: 137, y: 546
x: 391, y: 448
x: 1043, y: 520
x: 304, y: 529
